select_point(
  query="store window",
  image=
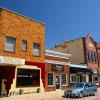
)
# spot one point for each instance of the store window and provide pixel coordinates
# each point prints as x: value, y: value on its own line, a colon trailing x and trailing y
x: 28, y: 78
x: 10, y: 44
x: 78, y: 78
x: 83, y: 78
x: 73, y: 78
x: 36, y: 49
x: 64, y: 79
x: 24, y: 45
x: 50, y: 79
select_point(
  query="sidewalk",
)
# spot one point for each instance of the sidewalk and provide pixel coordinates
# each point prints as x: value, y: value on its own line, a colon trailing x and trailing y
x: 36, y: 96
x: 98, y: 89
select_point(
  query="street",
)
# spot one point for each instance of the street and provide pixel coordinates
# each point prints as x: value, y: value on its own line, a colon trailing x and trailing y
x: 49, y: 96
x: 97, y: 97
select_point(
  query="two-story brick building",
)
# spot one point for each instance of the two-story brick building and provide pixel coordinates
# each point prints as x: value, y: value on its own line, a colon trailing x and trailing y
x: 83, y: 52
x: 22, y: 53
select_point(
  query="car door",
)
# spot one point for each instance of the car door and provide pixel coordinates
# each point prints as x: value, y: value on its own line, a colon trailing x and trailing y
x: 94, y: 88
x: 86, y: 89
x: 90, y: 88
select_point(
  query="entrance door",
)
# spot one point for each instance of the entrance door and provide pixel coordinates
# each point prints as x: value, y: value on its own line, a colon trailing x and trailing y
x: 57, y: 81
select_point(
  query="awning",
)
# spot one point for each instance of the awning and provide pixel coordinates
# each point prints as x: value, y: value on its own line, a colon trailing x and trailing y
x: 78, y: 65
x: 80, y: 70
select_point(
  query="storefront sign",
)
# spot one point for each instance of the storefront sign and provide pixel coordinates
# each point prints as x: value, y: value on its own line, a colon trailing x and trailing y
x: 11, y: 61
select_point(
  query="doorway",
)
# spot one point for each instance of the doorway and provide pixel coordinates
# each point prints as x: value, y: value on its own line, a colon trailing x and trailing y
x: 57, y: 81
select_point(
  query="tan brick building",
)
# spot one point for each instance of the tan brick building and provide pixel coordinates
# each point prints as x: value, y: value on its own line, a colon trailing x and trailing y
x: 57, y: 70
x: 22, y: 53
x: 83, y: 52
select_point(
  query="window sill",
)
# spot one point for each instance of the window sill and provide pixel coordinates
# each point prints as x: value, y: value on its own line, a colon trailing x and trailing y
x: 36, y: 56
x: 23, y: 50
x: 9, y: 51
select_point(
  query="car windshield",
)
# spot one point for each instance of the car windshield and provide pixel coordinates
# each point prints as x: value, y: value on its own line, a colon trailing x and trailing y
x: 79, y: 85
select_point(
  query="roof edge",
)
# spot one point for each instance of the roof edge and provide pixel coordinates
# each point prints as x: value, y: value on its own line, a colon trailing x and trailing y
x: 2, y: 8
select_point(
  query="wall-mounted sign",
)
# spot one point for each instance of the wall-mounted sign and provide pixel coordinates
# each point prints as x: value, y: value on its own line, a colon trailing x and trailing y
x: 11, y: 61
x: 57, y: 67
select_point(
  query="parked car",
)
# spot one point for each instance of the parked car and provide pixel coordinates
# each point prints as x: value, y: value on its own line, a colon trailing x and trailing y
x: 81, y: 89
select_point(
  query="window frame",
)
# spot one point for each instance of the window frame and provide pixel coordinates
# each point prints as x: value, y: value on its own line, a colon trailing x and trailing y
x: 48, y: 79
x: 25, y: 86
x: 38, y: 49
x: 71, y: 78
x: 22, y: 45
x: 66, y: 79
x: 13, y: 44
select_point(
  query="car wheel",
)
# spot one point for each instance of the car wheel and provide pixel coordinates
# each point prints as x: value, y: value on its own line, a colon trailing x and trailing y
x: 65, y: 96
x: 94, y: 93
x: 86, y: 94
x: 81, y: 95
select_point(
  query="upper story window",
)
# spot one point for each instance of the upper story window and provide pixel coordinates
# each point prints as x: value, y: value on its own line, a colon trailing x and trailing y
x: 98, y: 57
x: 24, y: 45
x: 36, y: 49
x: 10, y: 44
x: 89, y: 56
x: 95, y: 57
x: 92, y: 57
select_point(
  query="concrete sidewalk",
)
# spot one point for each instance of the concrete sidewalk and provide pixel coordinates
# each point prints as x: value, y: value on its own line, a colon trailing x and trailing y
x: 36, y: 96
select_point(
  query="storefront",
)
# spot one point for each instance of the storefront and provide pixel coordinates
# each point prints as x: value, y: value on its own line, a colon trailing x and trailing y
x: 95, y: 76
x: 57, y: 71
x: 80, y: 73
x: 16, y: 77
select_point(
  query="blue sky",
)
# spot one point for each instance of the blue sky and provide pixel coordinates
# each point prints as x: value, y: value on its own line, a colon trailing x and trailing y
x: 64, y: 19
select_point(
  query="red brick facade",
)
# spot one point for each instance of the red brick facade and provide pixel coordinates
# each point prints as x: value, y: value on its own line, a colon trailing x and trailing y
x: 57, y: 61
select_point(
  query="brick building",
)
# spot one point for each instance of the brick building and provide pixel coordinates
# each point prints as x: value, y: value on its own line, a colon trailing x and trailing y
x: 22, y: 53
x: 98, y: 51
x: 83, y: 52
x: 57, y: 70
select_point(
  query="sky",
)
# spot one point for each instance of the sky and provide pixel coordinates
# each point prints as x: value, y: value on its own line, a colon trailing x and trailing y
x: 63, y: 19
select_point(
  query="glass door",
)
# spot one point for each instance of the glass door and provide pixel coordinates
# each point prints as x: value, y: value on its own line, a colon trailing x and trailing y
x: 57, y: 81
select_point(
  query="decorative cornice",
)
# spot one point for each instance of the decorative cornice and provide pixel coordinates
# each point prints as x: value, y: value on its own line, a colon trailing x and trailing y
x: 57, y: 62
x: 57, y: 54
